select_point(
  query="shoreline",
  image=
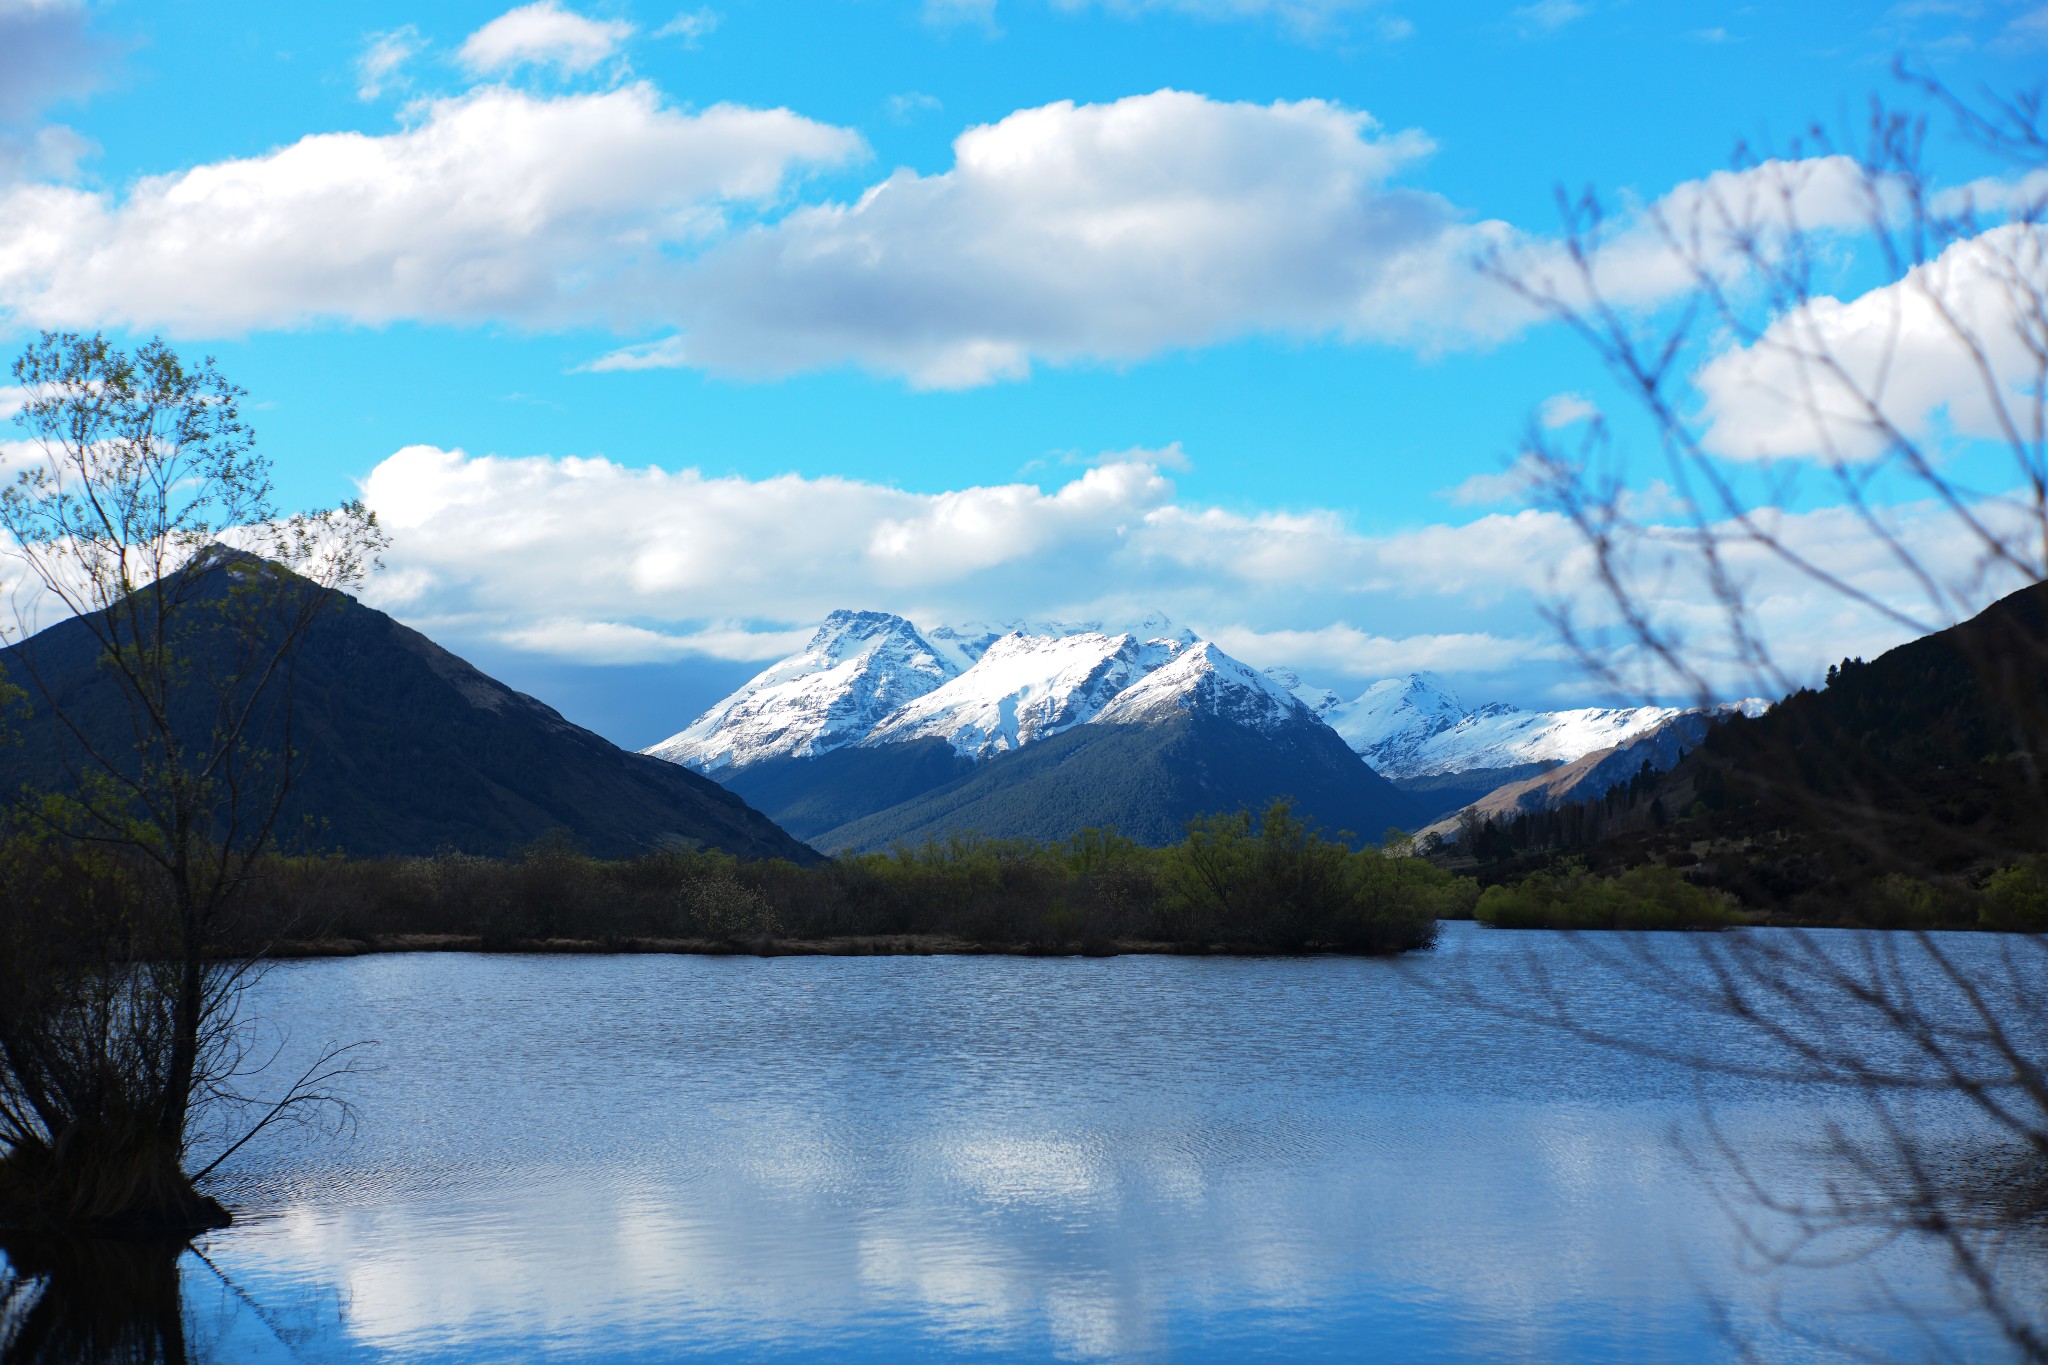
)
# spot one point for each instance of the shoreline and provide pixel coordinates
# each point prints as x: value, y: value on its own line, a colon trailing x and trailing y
x: 847, y: 945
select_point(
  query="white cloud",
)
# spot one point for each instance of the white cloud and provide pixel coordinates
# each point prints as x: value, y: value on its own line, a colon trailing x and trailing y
x: 1831, y: 379
x: 1088, y: 232
x: 495, y: 205
x: 383, y: 60
x: 2024, y: 195
x: 542, y: 34
x: 590, y: 560
x: 614, y: 642
x: 692, y: 26
x: 1548, y: 16
x: 1508, y: 485
x: 1719, y: 222
x: 1113, y: 232
x: 1562, y: 410
x: 1065, y: 234
x: 1345, y: 651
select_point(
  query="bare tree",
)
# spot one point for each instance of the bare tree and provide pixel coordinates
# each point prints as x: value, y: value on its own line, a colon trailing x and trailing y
x: 1913, y: 421
x: 163, y: 701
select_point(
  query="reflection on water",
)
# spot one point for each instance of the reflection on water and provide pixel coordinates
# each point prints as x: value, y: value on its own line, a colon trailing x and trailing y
x: 933, y: 1158
x: 73, y: 1299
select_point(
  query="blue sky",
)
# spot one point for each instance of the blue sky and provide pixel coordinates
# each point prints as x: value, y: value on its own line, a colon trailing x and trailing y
x: 1249, y: 335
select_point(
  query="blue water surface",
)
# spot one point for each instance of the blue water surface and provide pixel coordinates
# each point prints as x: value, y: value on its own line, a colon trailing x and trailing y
x: 644, y: 1158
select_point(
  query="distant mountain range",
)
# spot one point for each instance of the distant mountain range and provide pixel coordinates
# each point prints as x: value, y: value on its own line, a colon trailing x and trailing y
x: 408, y: 750
x: 877, y: 732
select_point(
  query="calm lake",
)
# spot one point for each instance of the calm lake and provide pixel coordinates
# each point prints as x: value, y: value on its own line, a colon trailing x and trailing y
x: 650, y: 1158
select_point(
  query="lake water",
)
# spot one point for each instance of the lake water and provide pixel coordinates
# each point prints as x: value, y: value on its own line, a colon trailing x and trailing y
x: 885, y: 1159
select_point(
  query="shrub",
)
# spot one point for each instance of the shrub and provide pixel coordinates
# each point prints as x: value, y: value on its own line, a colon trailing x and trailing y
x: 1567, y: 896
x: 2016, y: 898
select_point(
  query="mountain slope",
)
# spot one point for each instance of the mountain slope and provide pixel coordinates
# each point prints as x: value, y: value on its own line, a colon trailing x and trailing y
x: 1146, y: 779
x: 812, y: 794
x: 408, y: 750
x: 1589, y: 776
x: 1924, y: 762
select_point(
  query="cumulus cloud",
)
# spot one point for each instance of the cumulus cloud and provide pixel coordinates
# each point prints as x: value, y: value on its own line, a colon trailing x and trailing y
x: 1113, y: 232
x: 593, y: 561
x: 1956, y: 340
x: 542, y: 34
x: 1719, y: 224
x: 495, y: 205
x: 1070, y: 232
x: 592, y: 540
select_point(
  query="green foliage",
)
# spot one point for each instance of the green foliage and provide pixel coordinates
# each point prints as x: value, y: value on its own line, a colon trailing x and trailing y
x: 1567, y: 896
x: 2016, y: 897
x: 1280, y: 884
x: 1273, y: 885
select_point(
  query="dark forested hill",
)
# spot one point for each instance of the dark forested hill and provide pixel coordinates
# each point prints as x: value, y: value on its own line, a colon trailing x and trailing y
x: 1924, y: 761
x: 407, y: 749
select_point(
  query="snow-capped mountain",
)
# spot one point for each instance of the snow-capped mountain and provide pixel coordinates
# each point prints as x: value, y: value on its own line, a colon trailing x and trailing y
x: 878, y: 733
x: 1202, y: 678
x: 870, y: 678
x: 859, y: 668
x: 1392, y: 721
x: 1417, y: 727
x: 1320, y: 700
x: 1023, y: 688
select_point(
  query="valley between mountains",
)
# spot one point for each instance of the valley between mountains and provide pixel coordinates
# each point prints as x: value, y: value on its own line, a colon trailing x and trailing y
x: 877, y: 733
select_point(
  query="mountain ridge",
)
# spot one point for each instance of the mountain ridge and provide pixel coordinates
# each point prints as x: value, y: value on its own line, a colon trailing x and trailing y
x: 408, y: 749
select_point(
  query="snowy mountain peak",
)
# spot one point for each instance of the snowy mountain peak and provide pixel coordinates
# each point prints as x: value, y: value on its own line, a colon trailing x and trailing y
x: 858, y: 667
x: 1157, y: 625
x: 1202, y: 678
x: 1395, y: 718
x: 1320, y: 700
x: 1025, y: 687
